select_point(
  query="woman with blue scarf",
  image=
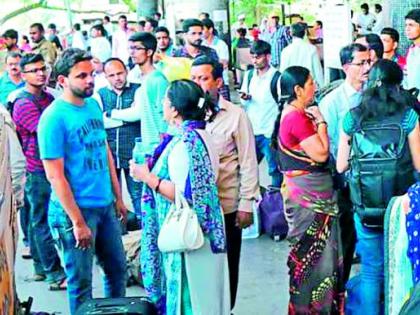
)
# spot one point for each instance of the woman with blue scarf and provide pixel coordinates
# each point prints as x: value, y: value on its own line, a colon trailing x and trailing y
x: 192, y: 282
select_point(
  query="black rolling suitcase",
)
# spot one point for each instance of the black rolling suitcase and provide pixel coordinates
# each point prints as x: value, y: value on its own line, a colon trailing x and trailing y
x: 118, y: 306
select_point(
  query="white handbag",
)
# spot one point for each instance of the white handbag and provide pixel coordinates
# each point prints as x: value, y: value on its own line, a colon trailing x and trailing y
x: 180, y: 230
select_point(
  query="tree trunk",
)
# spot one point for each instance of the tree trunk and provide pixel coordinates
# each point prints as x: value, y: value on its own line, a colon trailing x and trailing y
x: 146, y: 8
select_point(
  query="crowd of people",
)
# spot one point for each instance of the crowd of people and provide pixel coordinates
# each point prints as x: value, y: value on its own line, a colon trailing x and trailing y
x: 74, y: 111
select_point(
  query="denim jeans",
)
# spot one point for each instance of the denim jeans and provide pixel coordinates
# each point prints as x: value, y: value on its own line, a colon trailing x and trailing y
x: 264, y: 149
x: 24, y: 219
x: 106, y: 245
x: 370, y: 247
x: 134, y: 189
x: 44, y: 253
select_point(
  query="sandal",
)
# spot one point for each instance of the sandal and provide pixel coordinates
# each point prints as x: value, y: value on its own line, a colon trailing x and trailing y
x: 36, y: 277
x: 58, y: 286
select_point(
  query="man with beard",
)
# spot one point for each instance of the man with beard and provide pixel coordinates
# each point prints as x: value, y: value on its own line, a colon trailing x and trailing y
x: 10, y: 80
x: 30, y: 103
x: 355, y: 59
x: 121, y: 136
x: 164, y: 41
x: 41, y: 45
x: 11, y: 39
x: 193, y: 37
x: 148, y: 99
x: 412, y: 30
x: 86, y: 200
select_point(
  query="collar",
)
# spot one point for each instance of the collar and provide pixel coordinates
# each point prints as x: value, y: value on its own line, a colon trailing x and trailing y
x: 127, y: 86
x: 349, y: 90
x: 297, y: 40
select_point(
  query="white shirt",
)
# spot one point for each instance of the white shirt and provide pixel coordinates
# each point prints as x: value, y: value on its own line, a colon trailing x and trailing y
x: 78, y: 41
x: 100, y: 48
x: 365, y: 21
x: 120, y: 45
x: 135, y: 75
x: 100, y: 81
x: 379, y: 23
x: 304, y: 54
x: 108, y: 29
x: 222, y: 50
x: 262, y: 109
x: 412, y: 68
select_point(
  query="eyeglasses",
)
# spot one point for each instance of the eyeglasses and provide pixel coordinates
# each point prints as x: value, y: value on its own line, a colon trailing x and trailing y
x: 138, y: 48
x: 362, y: 63
x: 36, y: 70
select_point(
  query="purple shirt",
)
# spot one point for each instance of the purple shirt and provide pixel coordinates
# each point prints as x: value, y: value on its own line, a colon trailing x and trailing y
x: 27, y: 110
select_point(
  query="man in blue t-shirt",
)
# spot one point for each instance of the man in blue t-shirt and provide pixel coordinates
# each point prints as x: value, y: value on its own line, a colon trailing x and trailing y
x: 86, y: 198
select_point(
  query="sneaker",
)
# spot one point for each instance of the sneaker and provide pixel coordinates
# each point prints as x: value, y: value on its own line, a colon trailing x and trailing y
x: 26, y: 253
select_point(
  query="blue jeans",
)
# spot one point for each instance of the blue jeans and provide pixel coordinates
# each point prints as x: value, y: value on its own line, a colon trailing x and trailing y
x: 264, y: 149
x: 106, y: 245
x: 43, y: 251
x: 370, y: 247
x: 24, y: 219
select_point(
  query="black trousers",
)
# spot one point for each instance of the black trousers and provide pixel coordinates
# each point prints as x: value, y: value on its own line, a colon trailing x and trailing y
x: 233, y: 241
x: 348, y: 233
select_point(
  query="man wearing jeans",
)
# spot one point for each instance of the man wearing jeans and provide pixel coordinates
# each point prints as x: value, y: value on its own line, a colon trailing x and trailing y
x: 86, y: 199
x: 27, y: 109
x: 260, y: 105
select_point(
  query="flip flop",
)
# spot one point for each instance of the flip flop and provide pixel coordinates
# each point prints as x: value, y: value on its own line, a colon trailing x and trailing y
x: 58, y: 286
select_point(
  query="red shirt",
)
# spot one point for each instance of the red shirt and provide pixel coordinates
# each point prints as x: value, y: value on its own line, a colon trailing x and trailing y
x: 294, y: 128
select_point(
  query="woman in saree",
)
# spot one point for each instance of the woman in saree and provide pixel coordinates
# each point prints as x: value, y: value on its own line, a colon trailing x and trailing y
x: 191, y: 282
x: 315, y: 259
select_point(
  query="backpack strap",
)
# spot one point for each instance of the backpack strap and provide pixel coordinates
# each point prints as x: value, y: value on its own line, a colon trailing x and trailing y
x: 249, y: 78
x: 273, y: 86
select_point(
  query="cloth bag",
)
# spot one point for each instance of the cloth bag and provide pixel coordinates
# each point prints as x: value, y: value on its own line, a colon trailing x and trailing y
x: 180, y: 230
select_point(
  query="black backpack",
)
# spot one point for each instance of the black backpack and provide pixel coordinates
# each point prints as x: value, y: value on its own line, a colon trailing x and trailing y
x: 380, y: 167
x: 273, y: 83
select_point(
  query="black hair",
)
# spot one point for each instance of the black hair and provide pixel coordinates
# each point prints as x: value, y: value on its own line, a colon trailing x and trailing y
x: 347, y: 52
x: 298, y: 30
x: 241, y: 31
x: 69, y: 58
x: 375, y: 44
x: 149, y: 41
x: 13, y: 54
x: 365, y: 6
x: 319, y: 23
x: 207, y: 23
x: 260, y: 47
x: 100, y: 28
x: 384, y: 96
x: 30, y: 58
x: 413, y: 15
x: 77, y: 26
x: 107, y: 18
x: 52, y: 26
x: 114, y: 59
x: 217, y: 67
x: 38, y: 26
x: 392, y: 32
x: 186, y: 24
x: 122, y: 17
x: 206, y: 15
x: 185, y: 96
x: 290, y: 78
x: 158, y: 14
x: 152, y: 22
x: 162, y: 29
x: 13, y: 34
x: 142, y: 23
x: 25, y: 38
x: 378, y: 7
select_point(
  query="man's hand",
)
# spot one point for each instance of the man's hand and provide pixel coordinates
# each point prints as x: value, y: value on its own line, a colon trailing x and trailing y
x: 244, y: 219
x: 121, y: 210
x: 83, y: 235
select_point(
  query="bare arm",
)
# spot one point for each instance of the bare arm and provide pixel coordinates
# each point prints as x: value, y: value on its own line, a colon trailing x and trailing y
x: 343, y: 152
x: 317, y: 146
x: 55, y: 174
x: 119, y: 204
x: 414, y: 144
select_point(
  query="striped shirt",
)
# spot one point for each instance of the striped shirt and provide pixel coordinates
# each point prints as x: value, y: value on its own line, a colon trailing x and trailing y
x: 279, y: 39
x: 27, y: 110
